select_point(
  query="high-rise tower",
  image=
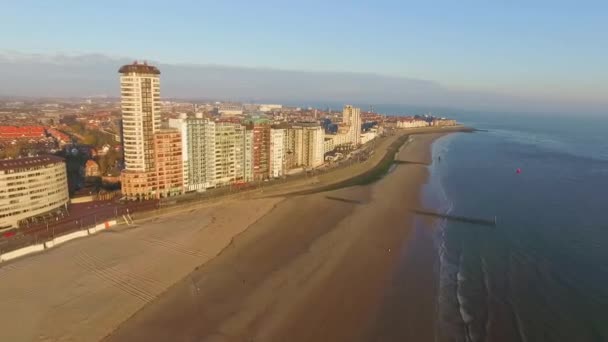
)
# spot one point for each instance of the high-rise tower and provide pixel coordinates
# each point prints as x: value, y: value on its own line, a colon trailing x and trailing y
x: 140, y: 104
x: 351, y: 116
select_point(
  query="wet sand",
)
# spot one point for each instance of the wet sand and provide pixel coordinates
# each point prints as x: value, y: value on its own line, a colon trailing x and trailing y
x: 313, y: 269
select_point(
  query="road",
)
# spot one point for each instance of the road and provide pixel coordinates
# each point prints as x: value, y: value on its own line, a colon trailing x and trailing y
x: 80, y: 216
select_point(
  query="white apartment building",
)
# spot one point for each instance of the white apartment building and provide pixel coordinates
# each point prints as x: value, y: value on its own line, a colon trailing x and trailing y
x: 309, y: 141
x: 228, y: 109
x: 411, y: 123
x: 30, y: 187
x: 328, y: 144
x: 368, y: 136
x: 339, y: 139
x: 269, y: 107
x: 277, y: 152
x: 198, y: 151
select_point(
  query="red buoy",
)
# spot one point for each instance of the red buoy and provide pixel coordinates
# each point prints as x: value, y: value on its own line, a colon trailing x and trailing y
x: 518, y: 171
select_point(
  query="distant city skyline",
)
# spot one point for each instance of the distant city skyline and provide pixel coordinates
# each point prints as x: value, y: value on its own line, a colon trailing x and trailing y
x: 504, y: 56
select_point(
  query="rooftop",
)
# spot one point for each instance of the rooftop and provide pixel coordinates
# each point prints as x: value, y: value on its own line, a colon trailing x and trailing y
x: 11, y: 164
x: 139, y: 68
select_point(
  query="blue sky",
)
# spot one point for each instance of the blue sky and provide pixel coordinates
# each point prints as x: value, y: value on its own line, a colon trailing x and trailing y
x: 544, y: 49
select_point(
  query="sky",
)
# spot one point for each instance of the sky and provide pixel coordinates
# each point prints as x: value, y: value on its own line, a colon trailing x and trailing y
x: 545, y: 50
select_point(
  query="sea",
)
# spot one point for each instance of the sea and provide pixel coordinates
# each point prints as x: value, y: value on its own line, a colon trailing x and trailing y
x: 541, y: 274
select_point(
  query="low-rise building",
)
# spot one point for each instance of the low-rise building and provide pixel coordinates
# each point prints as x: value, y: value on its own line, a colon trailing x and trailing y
x: 22, y: 132
x: 409, y: 122
x: 31, y: 186
x: 443, y: 122
x: 227, y: 109
x: 91, y: 169
x: 368, y: 136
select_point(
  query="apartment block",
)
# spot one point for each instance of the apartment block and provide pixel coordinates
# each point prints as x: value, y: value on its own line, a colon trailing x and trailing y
x: 309, y: 144
x: 30, y: 187
x: 277, y: 152
x: 168, y: 160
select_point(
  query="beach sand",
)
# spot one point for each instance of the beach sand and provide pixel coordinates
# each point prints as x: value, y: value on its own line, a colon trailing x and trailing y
x: 313, y: 269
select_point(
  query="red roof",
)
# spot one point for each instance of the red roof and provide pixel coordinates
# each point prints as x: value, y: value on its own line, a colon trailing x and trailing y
x: 15, y: 132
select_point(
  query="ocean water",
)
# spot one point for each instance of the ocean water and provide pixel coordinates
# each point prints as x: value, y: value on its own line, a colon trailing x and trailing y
x: 542, y: 273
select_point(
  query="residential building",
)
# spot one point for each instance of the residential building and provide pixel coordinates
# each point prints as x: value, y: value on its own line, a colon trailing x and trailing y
x: 261, y: 149
x: 228, y: 109
x: 30, y: 187
x: 277, y: 152
x: 22, y: 132
x: 368, y: 136
x: 340, y: 139
x: 289, y: 141
x: 248, y: 155
x: 91, y: 169
x: 269, y: 107
x: 140, y: 105
x: 351, y: 118
x: 328, y: 144
x: 168, y: 163
x: 229, y: 153
x: 442, y: 122
x: 410, y: 122
x: 198, y: 151
x: 309, y: 144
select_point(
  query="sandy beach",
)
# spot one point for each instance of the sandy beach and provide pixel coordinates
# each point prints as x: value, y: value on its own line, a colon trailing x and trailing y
x: 263, y: 267
x: 314, y: 269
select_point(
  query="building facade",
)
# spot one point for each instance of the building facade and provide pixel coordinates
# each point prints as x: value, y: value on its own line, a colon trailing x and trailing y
x: 328, y: 145
x: 30, y: 187
x: 248, y: 155
x: 411, y: 123
x: 91, y: 169
x: 229, y: 153
x: 168, y: 162
x: 198, y: 151
x: 351, y: 117
x: 140, y: 106
x: 309, y: 140
x: 277, y: 152
x: 261, y: 151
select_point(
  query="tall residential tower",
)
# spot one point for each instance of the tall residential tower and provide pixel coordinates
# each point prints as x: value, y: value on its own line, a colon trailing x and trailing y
x: 351, y: 117
x: 140, y: 105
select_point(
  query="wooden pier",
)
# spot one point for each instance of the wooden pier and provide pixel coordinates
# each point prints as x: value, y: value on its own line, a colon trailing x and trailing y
x: 465, y: 219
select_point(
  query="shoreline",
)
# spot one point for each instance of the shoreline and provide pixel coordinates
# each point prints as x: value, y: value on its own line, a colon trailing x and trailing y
x: 295, y: 280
